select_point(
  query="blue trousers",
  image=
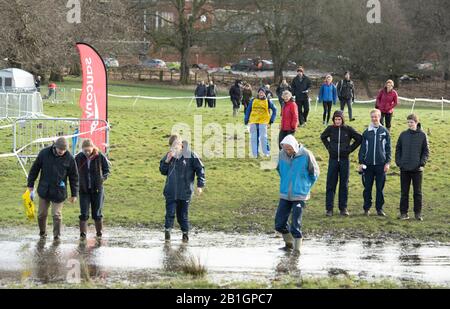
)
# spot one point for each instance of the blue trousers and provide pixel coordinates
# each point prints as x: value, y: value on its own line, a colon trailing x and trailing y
x: 180, y: 208
x: 95, y: 202
x: 337, y: 171
x: 285, y: 208
x: 374, y: 173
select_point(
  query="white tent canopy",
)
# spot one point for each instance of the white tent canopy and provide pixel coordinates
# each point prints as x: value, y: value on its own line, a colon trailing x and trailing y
x: 16, y: 80
x: 19, y: 97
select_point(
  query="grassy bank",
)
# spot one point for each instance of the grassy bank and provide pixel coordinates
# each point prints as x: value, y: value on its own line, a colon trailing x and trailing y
x: 239, y: 195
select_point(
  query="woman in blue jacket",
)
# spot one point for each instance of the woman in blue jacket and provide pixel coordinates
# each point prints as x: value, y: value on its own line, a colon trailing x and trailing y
x: 327, y: 96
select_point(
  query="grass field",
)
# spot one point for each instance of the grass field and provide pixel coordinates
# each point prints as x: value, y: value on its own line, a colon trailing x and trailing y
x: 239, y: 195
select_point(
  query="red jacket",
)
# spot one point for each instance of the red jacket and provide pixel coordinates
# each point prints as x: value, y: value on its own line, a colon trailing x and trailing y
x: 289, y: 120
x: 387, y: 101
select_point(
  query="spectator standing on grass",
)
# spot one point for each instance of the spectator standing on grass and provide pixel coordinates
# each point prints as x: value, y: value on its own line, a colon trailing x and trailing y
x: 93, y: 170
x: 269, y: 93
x: 289, y: 117
x: 411, y: 156
x: 301, y: 86
x: 200, y: 93
x: 284, y: 86
x: 259, y: 118
x: 247, y: 95
x: 236, y: 97
x: 181, y: 166
x: 375, y: 160
x: 328, y: 97
x: 55, y: 165
x: 340, y: 140
x: 387, y: 100
x: 211, y: 93
x: 37, y: 83
x: 298, y: 172
x: 346, y: 94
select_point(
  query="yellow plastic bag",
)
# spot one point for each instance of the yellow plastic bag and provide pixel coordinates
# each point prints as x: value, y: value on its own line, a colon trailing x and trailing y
x: 28, y: 203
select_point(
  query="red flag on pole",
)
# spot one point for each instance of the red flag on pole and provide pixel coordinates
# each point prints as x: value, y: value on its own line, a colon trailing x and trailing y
x: 94, y: 96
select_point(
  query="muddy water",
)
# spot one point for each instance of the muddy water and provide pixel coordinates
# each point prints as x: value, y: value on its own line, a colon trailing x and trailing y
x: 136, y: 255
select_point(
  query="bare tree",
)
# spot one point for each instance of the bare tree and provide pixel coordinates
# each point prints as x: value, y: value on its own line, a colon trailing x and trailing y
x: 431, y: 24
x: 182, y: 31
x: 371, y: 50
x: 38, y: 37
x: 288, y: 27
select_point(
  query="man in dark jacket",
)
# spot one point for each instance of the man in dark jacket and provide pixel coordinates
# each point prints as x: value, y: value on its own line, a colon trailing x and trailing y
x: 200, y: 93
x: 301, y: 86
x: 375, y: 160
x: 346, y: 94
x: 55, y: 165
x: 180, y: 165
x: 411, y: 156
x: 236, y: 97
x: 211, y: 93
x: 338, y: 141
x: 93, y: 169
x: 284, y: 86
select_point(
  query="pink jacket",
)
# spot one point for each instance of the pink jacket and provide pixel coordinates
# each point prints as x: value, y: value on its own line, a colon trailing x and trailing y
x: 387, y: 101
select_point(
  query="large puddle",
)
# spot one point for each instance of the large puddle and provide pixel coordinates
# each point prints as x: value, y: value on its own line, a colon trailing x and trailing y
x: 137, y: 255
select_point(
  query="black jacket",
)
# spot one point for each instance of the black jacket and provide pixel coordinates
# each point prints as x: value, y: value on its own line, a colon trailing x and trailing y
x: 338, y: 141
x: 54, y: 172
x: 181, y: 175
x: 346, y: 90
x: 235, y: 92
x: 95, y: 175
x: 211, y: 91
x: 412, y: 151
x: 282, y: 89
x: 300, y: 88
x: 200, y: 91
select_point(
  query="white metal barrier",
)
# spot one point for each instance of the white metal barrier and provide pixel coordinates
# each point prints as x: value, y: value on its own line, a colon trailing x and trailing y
x: 31, y: 135
x: 20, y: 105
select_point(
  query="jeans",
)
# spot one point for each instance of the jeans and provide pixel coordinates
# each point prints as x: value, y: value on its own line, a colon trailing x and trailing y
x: 347, y: 102
x: 258, y: 136
x: 282, y: 104
x: 374, y: 173
x: 95, y: 202
x: 303, y: 110
x: 388, y: 118
x: 180, y: 208
x: 327, y: 111
x: 285, y: 208
x: 405, y: 179
x: 199, y: 102
x: 337, y: 169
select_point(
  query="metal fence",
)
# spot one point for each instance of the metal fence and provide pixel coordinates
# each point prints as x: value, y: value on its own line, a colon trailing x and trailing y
x: 20, y: 105
x: 31, y: 135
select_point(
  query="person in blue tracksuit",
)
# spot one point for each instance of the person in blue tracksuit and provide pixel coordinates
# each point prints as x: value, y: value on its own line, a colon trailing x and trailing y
x: 328, y: 96
x: 299, y: 171
x: 181, y: 166
x: 375, y: 160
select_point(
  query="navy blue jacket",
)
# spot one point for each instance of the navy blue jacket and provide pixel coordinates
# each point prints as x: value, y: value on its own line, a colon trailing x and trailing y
x: 181, y: 175
x: 375, y: 148
x: 54, y: 172
x: 201, y: 91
